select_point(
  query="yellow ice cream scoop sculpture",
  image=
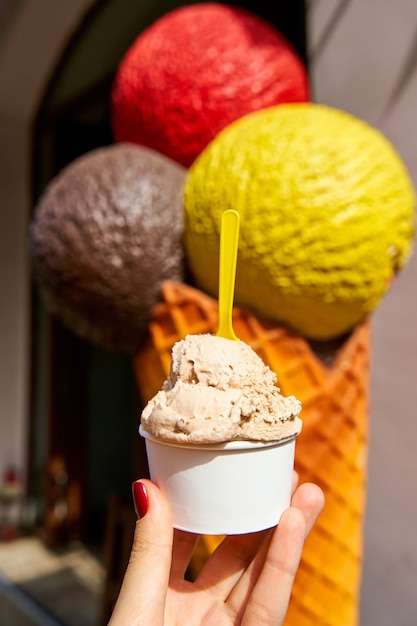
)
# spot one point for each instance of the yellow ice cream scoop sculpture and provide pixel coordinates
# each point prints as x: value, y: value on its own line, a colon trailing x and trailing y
x: 327, y: 215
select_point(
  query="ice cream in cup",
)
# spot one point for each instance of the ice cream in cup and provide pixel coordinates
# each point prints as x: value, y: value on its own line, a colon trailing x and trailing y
x: 220, y: 437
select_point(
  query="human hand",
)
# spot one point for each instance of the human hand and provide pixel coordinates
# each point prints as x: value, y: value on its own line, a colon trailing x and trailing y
x: 247, y: 580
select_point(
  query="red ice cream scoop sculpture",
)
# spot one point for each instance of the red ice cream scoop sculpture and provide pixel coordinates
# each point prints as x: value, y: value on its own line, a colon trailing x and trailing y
x: 196, y: 70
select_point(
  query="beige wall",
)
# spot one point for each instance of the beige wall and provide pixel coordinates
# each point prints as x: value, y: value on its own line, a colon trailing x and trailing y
x: 365, y: 61
x: 29, y: 49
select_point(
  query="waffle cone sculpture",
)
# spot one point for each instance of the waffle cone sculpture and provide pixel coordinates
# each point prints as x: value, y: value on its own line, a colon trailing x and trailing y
x: 331, y: 451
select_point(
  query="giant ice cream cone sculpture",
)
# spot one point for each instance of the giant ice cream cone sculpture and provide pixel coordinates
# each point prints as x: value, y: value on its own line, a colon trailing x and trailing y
x: 331, y: 451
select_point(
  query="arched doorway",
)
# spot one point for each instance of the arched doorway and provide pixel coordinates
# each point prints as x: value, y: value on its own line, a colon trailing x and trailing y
x: 28, y: 52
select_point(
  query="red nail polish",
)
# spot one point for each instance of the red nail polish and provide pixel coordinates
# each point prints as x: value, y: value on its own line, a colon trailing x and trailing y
x: 140, y: 499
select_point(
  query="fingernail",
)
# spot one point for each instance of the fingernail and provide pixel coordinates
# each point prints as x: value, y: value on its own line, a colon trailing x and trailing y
x: 140, y: 499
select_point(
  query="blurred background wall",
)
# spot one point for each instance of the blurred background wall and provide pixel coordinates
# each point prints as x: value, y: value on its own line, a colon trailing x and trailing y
x: 363, y: 58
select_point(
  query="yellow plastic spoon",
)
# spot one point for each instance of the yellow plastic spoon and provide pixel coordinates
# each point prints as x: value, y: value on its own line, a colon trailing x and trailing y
x: 229, y: 237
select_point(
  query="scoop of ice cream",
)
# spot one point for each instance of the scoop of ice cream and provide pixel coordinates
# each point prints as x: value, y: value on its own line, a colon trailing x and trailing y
x: 220, y: 390
x: 327, y: 215
x: 106, y: 233
x: 197, y: 69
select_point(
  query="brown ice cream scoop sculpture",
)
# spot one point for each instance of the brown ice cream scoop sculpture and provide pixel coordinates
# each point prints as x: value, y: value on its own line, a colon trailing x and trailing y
x: 106, y: 233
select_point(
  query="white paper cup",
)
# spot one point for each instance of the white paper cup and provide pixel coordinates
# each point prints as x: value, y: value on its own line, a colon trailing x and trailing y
x: 223, y: 489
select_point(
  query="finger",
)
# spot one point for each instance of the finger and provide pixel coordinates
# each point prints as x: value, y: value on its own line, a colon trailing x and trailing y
x: 271, y: 594
x: 309, y: 498
x: 142, y: 596
x: 228, y: 562
x: 295, y: 479
x: 232, y: 557
x: 183, y: 548
x: 240, y: 593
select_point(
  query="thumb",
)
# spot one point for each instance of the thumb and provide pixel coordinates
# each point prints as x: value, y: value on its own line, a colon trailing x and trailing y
x: 142, y: 596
